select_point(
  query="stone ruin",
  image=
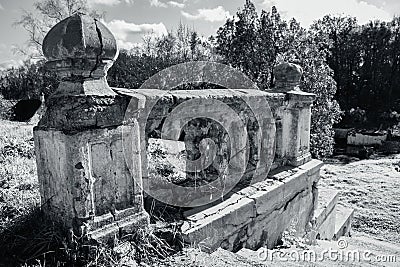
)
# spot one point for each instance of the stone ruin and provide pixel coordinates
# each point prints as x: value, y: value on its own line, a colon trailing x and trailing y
x: 93, y: 162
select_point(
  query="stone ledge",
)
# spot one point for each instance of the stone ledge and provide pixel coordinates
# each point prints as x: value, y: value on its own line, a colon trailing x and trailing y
x: 226, y: 220
x: 300, y: 160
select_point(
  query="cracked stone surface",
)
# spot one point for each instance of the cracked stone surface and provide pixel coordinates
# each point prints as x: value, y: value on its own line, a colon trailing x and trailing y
x: 80, y: 47
x: 79, y: 36
x: 258, y: 214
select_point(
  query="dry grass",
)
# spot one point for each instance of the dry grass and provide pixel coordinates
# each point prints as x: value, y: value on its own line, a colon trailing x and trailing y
x: 18, y: 181
x: 372, y: 188
x: 29, y: 239
x: 25, y: 235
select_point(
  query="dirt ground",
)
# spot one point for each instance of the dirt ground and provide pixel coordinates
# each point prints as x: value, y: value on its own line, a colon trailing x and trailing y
x: 372, y: 188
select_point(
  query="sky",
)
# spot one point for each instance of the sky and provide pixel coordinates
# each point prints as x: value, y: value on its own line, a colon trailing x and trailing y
x: 129, y: 20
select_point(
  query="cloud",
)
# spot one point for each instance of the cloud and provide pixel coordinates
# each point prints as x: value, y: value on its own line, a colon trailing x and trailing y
x: 109, y: 2
x: 157, y: 3
x: 306, y: 11
x: 3, y: 47
x: 212, y: 15
x: 176, y: 4
x: 128, y: 45
x: 9, y: 64
x: 122, y: 30
x: 1, y: 7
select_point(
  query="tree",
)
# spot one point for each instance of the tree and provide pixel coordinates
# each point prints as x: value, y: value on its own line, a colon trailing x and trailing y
x: 237, y: 41
x: 376, y: 69
x: 255, y: 44
x: 48, y: 13
x: 393, y: 51
x: 32, y: 79
x: 304, y: 48
x: 272, y: 31
x: 133, y: 68
x: 339, y: 36
x: 366, y: 65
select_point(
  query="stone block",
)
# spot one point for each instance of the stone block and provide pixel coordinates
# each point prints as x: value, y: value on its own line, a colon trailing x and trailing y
x: 327, y: 200
x: 266, y: 229
x: 326, y: 229
x: 276, y: 206
x: 84, y: 178
x: 213, y: 229
x: 344, y: 216
x: 267, y: 200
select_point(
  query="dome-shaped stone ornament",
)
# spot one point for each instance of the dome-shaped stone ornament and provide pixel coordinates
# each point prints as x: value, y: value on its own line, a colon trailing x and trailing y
x: 80, y: 48
x: 287, y: 77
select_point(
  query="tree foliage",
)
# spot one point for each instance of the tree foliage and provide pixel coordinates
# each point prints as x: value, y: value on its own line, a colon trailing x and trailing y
x: 256, y: 44
x: 32, y: 80
x: 366, y: 64
x: 46, y: 14
x: 133, y: 68
x: 29, y: 81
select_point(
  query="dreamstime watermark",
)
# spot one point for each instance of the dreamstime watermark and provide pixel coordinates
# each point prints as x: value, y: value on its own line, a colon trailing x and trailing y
x: 339, y: 254
x: 205, y: 105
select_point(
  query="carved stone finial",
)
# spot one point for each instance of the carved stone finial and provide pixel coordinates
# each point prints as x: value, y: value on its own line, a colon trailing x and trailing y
x: 287, y: 77
x: 81, y: 49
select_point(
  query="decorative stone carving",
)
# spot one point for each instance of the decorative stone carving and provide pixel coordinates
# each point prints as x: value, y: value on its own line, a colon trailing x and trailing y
x: 80, y: 47
x: 86, y: 180
x: 293, y: 138
x: 287, y: 77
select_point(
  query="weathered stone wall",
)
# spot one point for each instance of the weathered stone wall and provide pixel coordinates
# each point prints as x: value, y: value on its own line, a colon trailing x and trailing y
x: 92, y: 148
x: 288, y: 145
x: 200, y: 128
x: 360, y: 139
x: 258, y: 215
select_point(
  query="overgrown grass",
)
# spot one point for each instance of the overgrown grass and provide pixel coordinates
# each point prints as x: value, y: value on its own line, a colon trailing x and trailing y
x: 19, y: 192
x: 35, y: 241
x: 27, y: 238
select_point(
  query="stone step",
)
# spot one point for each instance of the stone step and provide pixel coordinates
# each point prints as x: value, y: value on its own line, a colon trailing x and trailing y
x: 325, y: 213
x: 344, y: 216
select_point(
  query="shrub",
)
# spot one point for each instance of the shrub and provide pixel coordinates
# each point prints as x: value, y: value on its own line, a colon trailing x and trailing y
x: 5, y: 108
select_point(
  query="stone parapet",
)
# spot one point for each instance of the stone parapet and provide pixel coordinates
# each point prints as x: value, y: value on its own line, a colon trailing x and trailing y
x: 92, y: 144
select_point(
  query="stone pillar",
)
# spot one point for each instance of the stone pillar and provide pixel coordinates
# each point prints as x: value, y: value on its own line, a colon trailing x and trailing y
x: 294, y: 125
x: 90, y: 180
